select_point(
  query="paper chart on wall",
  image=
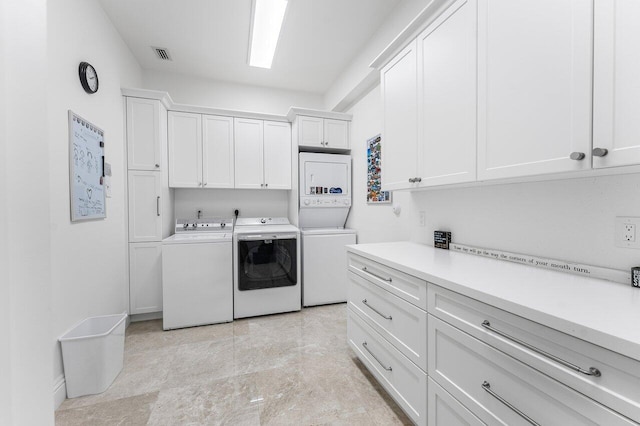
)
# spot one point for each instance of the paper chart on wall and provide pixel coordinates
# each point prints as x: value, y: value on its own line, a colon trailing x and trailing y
x: 86, y: 169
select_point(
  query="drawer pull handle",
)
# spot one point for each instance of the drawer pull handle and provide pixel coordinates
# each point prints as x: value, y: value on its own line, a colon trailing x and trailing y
x: 487, y: 387
x: 364, y: 345
x: 364, y: 301
x: 364, y: 269
x: 592, y: 371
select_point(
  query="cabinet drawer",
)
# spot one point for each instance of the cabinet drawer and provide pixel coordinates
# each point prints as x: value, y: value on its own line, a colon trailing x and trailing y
x: 400, y: 322
x: 405, y: 382
x: 546, y: 350
x: 407, y: 287
x: 445, y: 410
x: 501, y: 390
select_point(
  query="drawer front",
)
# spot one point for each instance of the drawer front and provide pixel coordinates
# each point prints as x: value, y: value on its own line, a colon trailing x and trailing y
x: 501, y: 390
x: 401, y: 323
x: 405, y: 382
x: 618, y: 386
x: 405, y: 286
x: 445, y: 410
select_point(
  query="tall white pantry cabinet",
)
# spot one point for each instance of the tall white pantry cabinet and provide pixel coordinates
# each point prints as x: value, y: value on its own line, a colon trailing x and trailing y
x: 149, y: 201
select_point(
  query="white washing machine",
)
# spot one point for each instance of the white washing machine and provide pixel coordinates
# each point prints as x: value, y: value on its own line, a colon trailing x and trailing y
x: 266, y: 255
x: 197, y: 274
x: 325, y: 200
x: 324, y: 265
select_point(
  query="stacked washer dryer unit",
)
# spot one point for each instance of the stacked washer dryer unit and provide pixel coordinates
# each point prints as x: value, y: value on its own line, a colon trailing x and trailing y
x: 325, y: 200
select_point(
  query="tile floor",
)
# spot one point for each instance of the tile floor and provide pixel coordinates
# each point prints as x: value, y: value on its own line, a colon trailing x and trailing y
x: 286, y: 369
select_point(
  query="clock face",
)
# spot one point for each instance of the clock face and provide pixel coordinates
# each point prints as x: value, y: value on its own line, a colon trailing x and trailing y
x: 88, y: 77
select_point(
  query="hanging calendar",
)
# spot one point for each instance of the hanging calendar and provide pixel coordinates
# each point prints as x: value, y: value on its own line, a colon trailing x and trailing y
x: 86, y: 169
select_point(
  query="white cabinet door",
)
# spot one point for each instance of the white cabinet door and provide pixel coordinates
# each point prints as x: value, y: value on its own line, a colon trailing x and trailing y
x: 447, y: 97
x: 310, y: 131
x: 145, y: 277
x: 185, y: 150
x: 277, y: 155
x: 534, y: 86
x: 144, y: 134
x: 217, y: 152
x: 145, y: 221
x: 336, y: 134
x: 616, y: 127
x: 399, y: 85
x: 249, y: 135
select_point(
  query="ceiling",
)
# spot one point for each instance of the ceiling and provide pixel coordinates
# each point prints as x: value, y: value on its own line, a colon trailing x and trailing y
x: 210, y: 38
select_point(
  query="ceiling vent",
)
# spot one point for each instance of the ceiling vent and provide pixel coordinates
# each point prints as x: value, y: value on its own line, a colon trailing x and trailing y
x: 162, y: 53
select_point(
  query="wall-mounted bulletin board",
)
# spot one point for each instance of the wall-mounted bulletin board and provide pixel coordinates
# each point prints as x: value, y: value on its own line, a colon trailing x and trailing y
x: 374, y: 182
x: 86, y: 169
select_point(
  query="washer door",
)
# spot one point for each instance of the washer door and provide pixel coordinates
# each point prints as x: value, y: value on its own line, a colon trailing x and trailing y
x: 267, y: 263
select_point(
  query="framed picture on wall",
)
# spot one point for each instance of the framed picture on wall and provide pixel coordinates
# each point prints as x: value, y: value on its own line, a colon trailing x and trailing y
x: 374, y: 183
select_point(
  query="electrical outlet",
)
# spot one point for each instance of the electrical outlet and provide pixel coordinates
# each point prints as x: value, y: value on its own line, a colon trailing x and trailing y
x: 625, y: 232
x: 423, y: 218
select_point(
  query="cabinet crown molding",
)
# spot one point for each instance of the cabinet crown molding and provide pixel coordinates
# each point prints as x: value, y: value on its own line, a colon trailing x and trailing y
x: 430, y: 12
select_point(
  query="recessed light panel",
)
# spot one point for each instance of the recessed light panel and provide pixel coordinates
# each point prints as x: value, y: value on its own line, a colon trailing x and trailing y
x: 267, y: 23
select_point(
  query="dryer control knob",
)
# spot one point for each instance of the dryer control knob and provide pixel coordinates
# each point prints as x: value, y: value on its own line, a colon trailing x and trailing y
x: 346, y: 202
x: 306, y: 202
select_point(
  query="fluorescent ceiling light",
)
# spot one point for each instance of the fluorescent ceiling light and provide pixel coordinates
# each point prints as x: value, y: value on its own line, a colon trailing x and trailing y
x: 267, y: 22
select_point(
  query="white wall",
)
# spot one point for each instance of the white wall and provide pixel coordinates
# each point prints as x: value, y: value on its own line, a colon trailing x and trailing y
x: 357, y: 75
x: 222, y: 202
x: 211, y: 93
x: 25, y: 287
x: 89, y: 259
x: 374, y: 222
x: 570, y: 219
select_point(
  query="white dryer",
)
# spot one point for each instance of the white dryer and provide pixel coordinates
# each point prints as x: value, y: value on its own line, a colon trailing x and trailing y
x: 325, y: 200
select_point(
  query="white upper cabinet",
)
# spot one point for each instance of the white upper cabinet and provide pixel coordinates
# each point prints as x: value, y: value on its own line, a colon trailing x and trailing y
x: 144, y: 121
x: 277, y: 155
x: 446, y: 53
x: 399, y: 85
x: 200, y: 151
x: 217, y: 152
x: 316, y: 132
x: 534, y: 86
x: 262, y: 154
x: 185, y: 150
x: 616, y: 127
x: 248, y: 153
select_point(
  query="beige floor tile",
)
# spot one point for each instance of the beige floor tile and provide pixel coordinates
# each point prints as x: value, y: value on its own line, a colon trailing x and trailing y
x: 286, y: 369
x: 132, y: 411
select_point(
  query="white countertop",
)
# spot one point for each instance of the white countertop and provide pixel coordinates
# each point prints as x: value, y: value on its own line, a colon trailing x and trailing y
x: 598, y: 311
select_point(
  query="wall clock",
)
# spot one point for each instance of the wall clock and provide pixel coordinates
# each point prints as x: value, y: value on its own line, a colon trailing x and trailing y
x: 88, y: 77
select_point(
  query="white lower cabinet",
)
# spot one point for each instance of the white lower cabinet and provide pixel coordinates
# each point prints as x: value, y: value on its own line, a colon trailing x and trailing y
x: 145, y: 277
x: 448, y: 359
x: 387, y: 322
x: 444, y: 410
x: 402, y: 379
x: 501, y: 390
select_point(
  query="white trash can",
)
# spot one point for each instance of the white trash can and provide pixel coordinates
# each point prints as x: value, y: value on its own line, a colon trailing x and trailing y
x: 93, y: 354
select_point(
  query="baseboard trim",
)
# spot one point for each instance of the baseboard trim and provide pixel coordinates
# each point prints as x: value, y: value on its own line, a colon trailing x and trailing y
x: 146, y: 317
x: 59, y: 391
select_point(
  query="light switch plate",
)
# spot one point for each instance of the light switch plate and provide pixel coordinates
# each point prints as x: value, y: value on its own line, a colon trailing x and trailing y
x: 626, y: 232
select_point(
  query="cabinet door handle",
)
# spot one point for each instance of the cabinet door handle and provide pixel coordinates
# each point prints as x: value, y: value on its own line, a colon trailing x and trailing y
x: 577, y: 156
x: 418, y: 179
x: 157, y: 166
x: 204, y: 184
x: 412, y: 180
x: 592, y: 371
x: 158, y: 205
x: 487, y: 387
x: 199, y: 183
x: 599, y: 152
x: 364, y: 269
x: 364, y: 302
x: 266, y: 185
x: 364, y: 345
